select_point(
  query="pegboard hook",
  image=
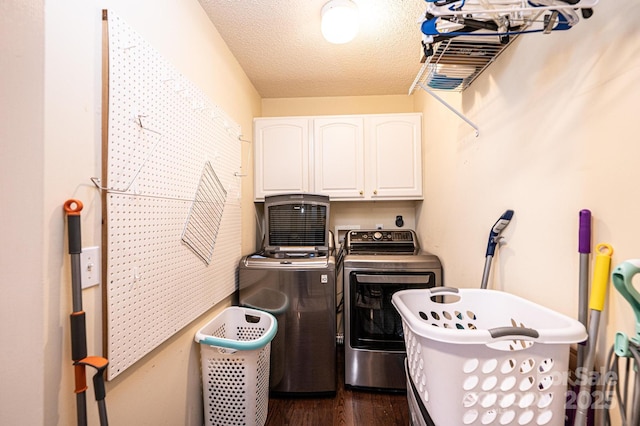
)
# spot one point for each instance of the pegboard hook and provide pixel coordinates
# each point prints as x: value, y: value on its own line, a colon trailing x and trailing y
x: 96, y: 183
x: 138, y: 119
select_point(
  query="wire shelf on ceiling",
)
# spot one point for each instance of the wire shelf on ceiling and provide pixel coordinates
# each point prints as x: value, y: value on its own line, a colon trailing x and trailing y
x: 457, y: 62
x: 461, y: 38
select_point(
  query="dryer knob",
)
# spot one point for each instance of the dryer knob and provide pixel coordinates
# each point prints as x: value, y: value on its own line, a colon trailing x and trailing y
x: 377, y: 235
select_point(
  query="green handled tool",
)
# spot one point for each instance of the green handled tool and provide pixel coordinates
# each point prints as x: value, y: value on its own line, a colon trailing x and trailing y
x: 621, y: 278
x: 624, y: 346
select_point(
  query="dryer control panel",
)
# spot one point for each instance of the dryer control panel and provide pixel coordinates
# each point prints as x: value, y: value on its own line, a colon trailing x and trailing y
x: 380, y: 241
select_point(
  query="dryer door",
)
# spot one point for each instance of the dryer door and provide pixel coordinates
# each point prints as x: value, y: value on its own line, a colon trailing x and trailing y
x: 374, y: 322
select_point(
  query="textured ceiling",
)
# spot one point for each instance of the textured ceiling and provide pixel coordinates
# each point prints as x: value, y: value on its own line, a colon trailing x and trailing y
x: 279, y: 45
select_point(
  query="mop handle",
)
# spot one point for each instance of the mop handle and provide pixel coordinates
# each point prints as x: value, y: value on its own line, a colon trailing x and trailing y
x: 496, y: 229
x: 600, y: 277
x: 78, y: 326
x: 584, y: 232
x: 596, y: 305
x: 584, y: 248
x: 494, y: 239
x: 73, y: 208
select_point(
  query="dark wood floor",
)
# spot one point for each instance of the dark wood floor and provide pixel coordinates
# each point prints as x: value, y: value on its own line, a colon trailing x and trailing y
x: 349, y: 407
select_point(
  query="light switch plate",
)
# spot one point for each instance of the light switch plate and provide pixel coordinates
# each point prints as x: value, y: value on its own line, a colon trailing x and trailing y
x: 90, y: 266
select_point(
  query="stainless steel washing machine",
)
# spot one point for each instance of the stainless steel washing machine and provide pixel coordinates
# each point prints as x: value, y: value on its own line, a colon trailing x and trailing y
x: 300, y: 293
x: 377, y: 263
x: 293, y: 277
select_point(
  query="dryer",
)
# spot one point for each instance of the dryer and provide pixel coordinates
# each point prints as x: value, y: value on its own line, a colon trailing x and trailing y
x: 376, y: 264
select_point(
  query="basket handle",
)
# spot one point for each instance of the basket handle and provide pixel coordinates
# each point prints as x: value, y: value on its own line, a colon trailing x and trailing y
x: 498, y: 332
x: 437, y: 290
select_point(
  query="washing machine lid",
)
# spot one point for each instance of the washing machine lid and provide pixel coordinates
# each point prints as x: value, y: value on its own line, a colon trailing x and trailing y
x: 259, y: 260
x: 296, y: 225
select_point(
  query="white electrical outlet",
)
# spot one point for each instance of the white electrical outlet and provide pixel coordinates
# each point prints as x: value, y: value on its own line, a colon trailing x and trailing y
x: 90, y: 266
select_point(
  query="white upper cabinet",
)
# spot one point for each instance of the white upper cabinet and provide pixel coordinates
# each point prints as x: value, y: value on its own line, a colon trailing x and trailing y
x: 339, y: 156
x: 351, y: 157
x: 394, y: 156
x: 282, y: 151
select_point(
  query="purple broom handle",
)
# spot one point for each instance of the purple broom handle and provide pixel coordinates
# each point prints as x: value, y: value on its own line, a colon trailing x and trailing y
x: 584, y: 232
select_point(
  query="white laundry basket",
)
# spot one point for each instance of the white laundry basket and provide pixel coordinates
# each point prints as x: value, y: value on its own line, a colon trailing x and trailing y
x: 234, y: 351
x: 480, y: 357
x: 416, y: 415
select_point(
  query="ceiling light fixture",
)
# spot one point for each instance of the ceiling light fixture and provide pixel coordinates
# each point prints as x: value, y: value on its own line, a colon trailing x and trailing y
x: 340, y: 22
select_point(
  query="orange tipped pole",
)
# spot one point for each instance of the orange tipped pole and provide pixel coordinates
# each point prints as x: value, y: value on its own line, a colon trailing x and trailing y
x: 79, y: 356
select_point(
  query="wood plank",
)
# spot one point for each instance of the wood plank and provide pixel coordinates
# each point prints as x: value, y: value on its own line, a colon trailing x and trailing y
x: 349, y: 407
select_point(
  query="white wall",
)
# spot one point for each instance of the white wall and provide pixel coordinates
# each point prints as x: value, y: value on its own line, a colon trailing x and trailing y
x: 336, y: 105
x: 558, y: 133
x: 370, y: 214
x: 51, y: 145
x: 22, y: 220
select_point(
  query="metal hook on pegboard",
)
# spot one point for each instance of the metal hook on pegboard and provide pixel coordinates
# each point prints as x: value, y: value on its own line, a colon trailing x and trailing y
x: 97, y: 181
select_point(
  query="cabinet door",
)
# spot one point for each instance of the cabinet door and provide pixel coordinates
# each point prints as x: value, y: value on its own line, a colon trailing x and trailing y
x: 394, y: 156
x: 339, y: 157
x: 281, y: 156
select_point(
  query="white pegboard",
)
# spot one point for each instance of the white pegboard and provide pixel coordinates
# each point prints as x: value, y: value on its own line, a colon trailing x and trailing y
x: 162, y: 132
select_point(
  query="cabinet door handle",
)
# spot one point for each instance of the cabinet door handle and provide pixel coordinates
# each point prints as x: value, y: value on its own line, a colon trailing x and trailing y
x: 375, y: 192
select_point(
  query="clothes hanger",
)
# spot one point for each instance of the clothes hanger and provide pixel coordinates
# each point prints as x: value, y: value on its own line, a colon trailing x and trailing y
x: 502, y: 17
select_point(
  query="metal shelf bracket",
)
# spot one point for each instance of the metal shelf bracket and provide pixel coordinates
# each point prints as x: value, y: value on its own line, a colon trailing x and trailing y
x: 452, y: 109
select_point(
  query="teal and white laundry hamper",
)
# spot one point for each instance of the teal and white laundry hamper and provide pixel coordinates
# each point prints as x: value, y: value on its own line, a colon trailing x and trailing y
x: 234, y: 351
